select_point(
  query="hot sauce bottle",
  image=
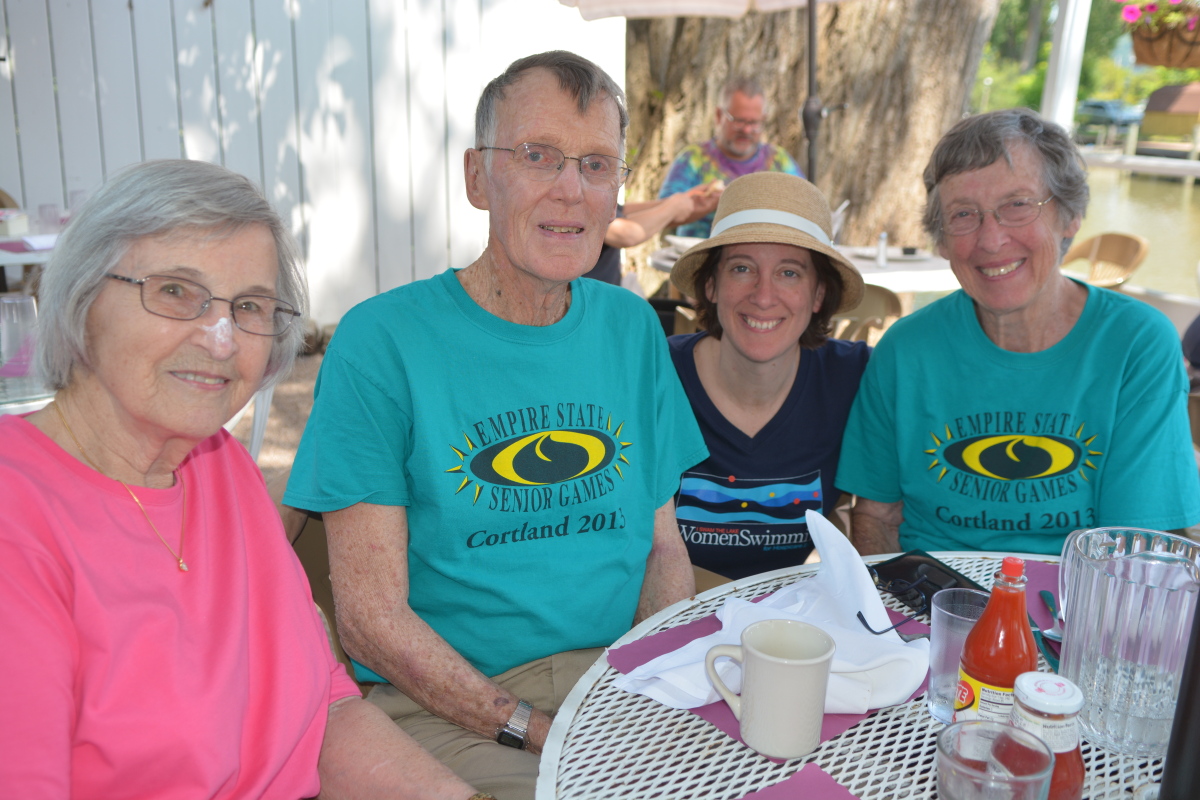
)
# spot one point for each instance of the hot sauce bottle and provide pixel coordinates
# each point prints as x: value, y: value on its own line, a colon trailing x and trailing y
x: 1048, y: 707
x: 998, y: 649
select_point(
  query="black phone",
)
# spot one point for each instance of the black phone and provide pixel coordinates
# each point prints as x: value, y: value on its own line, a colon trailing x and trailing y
x: 916, y: 576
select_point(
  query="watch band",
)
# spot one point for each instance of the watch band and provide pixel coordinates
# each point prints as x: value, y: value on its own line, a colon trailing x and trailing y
x: 514, y: 732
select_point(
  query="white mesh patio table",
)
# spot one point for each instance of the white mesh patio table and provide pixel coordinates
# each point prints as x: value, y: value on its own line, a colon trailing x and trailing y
x: 608, y: 743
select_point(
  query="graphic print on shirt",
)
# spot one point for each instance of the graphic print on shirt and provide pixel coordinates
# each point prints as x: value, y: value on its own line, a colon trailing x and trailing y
x: 537, y: 461
x: 764, y: 513
x: 1012, y: 459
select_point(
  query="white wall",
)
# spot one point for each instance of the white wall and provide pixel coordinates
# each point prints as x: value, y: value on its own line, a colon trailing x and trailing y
x: 352, y: 114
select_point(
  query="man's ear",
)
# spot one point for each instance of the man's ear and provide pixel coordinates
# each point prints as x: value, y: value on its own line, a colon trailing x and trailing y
x: 475, y: 175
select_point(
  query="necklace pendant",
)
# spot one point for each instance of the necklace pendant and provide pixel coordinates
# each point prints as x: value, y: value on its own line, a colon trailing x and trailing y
x: 182, y: 566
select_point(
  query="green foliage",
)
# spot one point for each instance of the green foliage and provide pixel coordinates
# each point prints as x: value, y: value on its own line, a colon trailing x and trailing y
x: 1104, y: 29
x: 1099, y: 75
x: 1114, y: 82
x: 1012, y: 27
x: 1009, y: 88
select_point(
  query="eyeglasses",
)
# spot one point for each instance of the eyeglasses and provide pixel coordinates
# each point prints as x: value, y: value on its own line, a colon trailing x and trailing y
x: 543, y: 162
x: 907, y: 592
x: 177, y: 298
x: 745, y: 124
x: 1013, y: 214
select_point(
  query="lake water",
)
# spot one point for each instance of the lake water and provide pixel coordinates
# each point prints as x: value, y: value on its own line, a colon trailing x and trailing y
x: 1161, y: 210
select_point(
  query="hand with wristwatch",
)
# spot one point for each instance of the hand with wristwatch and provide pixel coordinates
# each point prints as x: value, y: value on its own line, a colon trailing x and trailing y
x: 515, y: 733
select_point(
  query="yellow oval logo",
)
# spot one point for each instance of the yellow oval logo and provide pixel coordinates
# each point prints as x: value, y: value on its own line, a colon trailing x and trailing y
x: 544, y: 458
x: 1012, y: 457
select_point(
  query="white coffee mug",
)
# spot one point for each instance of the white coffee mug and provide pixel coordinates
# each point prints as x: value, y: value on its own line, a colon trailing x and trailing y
x: 785, y: 671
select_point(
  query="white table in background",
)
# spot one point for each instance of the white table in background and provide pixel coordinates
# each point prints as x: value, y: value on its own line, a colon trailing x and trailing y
x: 926, y: 272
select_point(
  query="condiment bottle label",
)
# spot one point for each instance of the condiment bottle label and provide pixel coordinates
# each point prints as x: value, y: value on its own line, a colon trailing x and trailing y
x: 1061, y: 735
x: 979, y: 700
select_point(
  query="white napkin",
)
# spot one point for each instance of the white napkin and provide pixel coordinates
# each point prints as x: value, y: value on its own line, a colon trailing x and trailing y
x: 868, y: 671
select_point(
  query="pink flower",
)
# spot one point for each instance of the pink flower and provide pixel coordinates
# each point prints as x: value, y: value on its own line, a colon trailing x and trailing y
x: 1175, y: 2
x: 1191, y: 26
x: 1131, y: 13
x: 1151, y: 8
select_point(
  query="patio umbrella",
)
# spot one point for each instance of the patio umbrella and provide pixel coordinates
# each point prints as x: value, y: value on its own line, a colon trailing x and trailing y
x: 813, y: 110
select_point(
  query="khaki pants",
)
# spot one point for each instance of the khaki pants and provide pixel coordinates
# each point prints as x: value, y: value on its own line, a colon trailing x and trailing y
x: 506, y: 772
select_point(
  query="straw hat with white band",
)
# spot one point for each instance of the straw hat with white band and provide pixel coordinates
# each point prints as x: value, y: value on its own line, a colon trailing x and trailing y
x: 776, y: 208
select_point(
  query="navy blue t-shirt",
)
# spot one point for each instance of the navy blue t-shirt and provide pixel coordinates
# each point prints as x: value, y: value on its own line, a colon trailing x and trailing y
x: 741, y: 511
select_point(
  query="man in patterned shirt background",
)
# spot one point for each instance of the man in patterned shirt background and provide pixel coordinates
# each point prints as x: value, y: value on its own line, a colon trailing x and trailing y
x: 736, y: 149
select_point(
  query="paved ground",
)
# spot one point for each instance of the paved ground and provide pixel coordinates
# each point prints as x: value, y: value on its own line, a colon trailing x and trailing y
x: 289, y: 412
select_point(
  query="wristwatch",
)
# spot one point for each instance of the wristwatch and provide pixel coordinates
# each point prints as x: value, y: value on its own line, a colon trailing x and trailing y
x: 515, y: 730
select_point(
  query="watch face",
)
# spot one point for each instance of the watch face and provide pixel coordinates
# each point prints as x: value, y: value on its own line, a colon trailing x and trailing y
x: 510, y: 740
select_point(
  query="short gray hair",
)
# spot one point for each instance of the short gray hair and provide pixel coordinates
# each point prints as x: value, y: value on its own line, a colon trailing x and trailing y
x: 744, y: 84
x: 155, y: 198
x: 577, y: 76
x: 979, y: 141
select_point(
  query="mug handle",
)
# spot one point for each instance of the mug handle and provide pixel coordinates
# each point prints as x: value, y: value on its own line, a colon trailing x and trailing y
x: 724, y: 651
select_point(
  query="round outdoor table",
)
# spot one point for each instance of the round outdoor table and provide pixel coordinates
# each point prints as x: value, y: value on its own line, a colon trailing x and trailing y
x: 609, y: 743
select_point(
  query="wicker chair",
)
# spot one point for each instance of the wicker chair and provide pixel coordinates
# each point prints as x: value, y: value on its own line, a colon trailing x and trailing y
x: 1113, y: 257
x: 879, y: 308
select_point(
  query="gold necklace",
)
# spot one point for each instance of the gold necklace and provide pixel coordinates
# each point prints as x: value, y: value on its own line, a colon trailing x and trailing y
x: 183, y: 487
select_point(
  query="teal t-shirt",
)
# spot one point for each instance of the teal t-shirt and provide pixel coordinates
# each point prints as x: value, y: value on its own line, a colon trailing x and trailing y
x: 531, y: 459
x: 994, y: 450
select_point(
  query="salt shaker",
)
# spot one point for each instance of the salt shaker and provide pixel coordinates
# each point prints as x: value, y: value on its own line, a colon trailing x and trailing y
x: 881, y: 253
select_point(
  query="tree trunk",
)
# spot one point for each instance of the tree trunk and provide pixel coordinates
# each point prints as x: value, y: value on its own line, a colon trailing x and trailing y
x: 904, y: 69
x: 1033, y: 37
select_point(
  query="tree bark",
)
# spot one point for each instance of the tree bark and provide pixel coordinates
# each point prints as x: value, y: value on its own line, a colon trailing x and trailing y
x: 1033, y: 37
x: 904, y: 69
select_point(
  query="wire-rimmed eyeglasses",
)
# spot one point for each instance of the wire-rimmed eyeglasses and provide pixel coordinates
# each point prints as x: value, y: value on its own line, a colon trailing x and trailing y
x: 907, y: 593
x: 1019, y: 211
x: 179, y: 298
x: 543, y: 162
x: 744, y: 124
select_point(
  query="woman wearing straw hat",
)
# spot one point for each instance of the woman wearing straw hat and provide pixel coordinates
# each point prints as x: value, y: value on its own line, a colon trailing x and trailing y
x: 770, y: 390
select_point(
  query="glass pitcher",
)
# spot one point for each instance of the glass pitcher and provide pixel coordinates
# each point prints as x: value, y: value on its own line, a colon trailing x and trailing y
x: 1128, y: 596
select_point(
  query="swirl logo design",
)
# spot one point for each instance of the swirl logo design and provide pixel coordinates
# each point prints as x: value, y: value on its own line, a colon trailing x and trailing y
x: 1015, y: 456
x: 543, y: 458
x: 540, y: 459
x: 1010, y: 457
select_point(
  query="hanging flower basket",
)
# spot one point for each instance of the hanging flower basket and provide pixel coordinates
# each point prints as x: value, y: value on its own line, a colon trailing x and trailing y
x: 1166, y: 33
x: 1170, y: 47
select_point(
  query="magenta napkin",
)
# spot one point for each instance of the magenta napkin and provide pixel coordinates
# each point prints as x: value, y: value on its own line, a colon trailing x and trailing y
x: 810, y: 783
x: 1039, y: 576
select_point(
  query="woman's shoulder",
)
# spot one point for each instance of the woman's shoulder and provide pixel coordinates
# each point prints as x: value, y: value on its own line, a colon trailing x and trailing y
x: 840, y: 362
x: 684, y: 342
x: 1128, y: 316
x: 843, y: 351
x: 682, y: 347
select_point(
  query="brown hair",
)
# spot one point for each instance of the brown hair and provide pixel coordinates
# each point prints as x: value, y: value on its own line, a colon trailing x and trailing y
x: 819, y: 326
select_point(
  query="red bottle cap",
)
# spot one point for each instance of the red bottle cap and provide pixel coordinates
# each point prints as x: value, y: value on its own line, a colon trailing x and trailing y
x: 1013, y: 567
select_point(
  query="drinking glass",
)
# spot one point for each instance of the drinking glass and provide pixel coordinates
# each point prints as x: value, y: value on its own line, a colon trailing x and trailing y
x: 984, y: 760
x: 18, y: 318
x: 954, y: 613
x: 49, y: 218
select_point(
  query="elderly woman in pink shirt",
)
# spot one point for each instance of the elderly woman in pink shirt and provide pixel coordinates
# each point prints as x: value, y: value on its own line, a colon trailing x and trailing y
x: 160, y: 638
